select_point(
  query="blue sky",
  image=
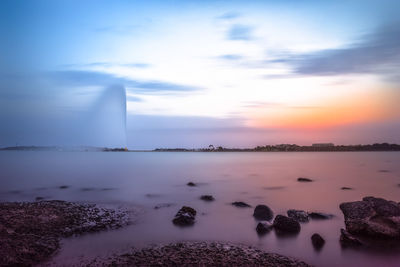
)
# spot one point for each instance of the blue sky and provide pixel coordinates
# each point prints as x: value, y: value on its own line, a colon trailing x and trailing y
x: 237, y: 73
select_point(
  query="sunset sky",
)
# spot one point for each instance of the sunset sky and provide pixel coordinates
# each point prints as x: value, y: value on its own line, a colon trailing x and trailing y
x: 230, y: 73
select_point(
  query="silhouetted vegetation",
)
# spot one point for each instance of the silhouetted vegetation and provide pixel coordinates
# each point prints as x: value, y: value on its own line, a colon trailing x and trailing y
x: 292, y: 148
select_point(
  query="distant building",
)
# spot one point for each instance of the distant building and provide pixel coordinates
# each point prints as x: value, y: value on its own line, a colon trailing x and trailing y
x: 323, y: 145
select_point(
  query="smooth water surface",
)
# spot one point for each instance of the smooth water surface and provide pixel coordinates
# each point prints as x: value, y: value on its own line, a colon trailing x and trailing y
x: 145, y: 179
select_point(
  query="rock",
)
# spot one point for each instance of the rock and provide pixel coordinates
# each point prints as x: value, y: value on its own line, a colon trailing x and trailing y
x: 347, y: 240
x: 240, y: 204
x: 317, y: 241
x: 383, y: 207
x: 153, y: 195
x: 263, y: 227
x: 86, y: 189
x: 263, y: 212
x: 346, y: 188
x: 372, y: 217
x: 64, y: 187
x: 286, y: 225
x: 302, y: 179
x: 198, y: 254
x: 191, y: 184
x: 273, y: 187
x: 30, y: 232
x: 163, y: 205
x: 185, y: 216
x: 298, y: 215
x: 207, y: 198
x: 320, y: 215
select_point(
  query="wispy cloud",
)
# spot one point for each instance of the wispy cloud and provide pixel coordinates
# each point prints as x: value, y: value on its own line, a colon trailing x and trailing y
x: 229, y: 16
x: 239, y: 32
x: 132, y: 98
x: 378, y: 52
x: 231, y: 57
x: 95, y: 78
x: 109, y: 64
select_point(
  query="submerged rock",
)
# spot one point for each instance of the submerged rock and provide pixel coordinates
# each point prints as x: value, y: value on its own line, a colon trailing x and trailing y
x: 298, y: 215
x: 317, y: 241
x: 346, y: 188
x: 163, y: 205
x: 240, y: 204
x: 63, y: 187
x: 320, y: 215
x: 286, y: 225
x: 185, y: 216
x: 263, y: 227
x: 207, y: 198
x: 191, y: 184
x: 263, y: 212
x: 302, y: 179
x: 372, y: 217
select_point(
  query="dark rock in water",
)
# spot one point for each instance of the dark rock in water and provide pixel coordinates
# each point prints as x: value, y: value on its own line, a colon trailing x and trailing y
x: 317, y: 241
x: 240, y: 204
x: 163, y: 205
x: 207, y: 198
x: 263, y: 212
x: 383, y: 171
x: 320, y: 215
x: 63, y: 187
x: 153, y: 195
x: 263, y: 227
x: 108, y: 189
x: 191, y: 184
x: 298, y: 215
x: 302, y: 179
x: 346, y: 188
x: 348, y: 240
x: 372, y: 217
x: 273, y: 187
x: 286, y: 225
x: 86, y: 189
x: 185, y: 216
x: 383, y: 207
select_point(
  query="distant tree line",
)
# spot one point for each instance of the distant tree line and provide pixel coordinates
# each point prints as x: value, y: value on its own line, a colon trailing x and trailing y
x: 292, y: 147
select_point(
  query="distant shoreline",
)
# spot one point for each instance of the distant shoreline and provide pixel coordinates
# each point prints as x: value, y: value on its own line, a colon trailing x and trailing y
x: 268, y: 148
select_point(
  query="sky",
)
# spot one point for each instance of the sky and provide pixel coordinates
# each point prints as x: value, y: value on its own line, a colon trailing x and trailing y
x: 194, y: 73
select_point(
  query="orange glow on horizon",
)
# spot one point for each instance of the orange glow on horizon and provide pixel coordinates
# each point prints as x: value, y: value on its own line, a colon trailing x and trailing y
x: 370, y: 107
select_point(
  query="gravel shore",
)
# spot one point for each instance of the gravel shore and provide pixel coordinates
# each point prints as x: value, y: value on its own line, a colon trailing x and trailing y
x: 30, y: 231
x: 198, y: 254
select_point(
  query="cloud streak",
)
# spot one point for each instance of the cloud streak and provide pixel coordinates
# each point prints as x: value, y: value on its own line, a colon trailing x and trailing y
x: 378, y: 52
x: 95, y: 78
x: 239, y: 32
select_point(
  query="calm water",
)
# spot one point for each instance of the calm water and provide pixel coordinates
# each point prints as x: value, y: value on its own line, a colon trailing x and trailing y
x: 145, y: 179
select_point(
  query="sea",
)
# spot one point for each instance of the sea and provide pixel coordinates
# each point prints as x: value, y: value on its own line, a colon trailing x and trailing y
x: 141, y: 181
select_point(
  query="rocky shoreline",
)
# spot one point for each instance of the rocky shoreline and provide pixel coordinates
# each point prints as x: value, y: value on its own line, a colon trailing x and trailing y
x: 198, y: 254
x: 30, y: 232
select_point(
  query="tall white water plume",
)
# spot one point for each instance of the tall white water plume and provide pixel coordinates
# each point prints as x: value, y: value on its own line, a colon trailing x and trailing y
x: 107, y: 118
